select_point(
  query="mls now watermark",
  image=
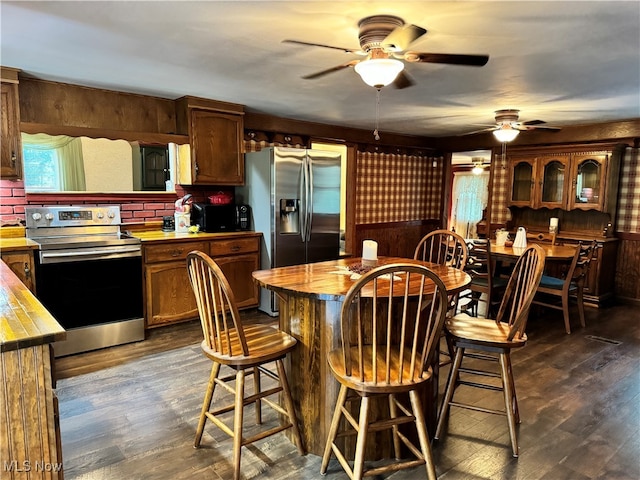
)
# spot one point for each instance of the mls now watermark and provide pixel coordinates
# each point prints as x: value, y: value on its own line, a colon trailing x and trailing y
x: 29, y: 466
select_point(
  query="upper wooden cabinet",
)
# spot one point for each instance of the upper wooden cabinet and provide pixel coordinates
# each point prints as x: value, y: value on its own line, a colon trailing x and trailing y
x: 539, y: 181
x: 10, y: 145
x: 216, y: 134
x: 564, y: 180
x: 588, y: 181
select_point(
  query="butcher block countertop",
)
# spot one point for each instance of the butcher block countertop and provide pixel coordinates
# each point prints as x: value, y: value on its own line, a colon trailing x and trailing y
x: 17, y: 243
x: 24, y: 320
x: 160, y: 236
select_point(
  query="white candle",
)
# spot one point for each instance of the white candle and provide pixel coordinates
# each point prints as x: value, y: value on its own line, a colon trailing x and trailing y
x: 370, y: 250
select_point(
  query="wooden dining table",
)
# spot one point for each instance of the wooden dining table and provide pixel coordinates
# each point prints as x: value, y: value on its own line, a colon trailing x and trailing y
x: 552, y: 252
x: 311, y: 297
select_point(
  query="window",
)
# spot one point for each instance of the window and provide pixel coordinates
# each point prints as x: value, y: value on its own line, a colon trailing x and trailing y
x: 41, y: 169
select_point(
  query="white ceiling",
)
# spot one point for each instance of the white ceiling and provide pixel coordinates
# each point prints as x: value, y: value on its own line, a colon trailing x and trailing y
x: 565, y: 62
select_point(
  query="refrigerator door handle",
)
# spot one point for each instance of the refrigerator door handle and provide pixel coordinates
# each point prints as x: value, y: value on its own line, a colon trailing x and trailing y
x: 302, y: 221
x: 309, y: 198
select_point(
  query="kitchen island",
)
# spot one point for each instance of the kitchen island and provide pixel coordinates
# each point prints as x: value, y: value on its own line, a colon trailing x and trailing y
x: 311, y: 298
x: 29, y: 434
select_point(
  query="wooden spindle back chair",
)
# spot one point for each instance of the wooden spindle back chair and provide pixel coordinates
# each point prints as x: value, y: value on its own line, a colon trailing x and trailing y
x: 391, y: 321
x: 493, y: 340
x: 245, y: 349
x: 483, y: 280
x: 444, y: 247
x: 556, y: 292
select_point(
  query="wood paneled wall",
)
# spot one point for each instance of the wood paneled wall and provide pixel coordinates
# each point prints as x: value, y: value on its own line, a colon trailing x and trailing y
x: 397, y: 239
x: 627, y: 276
x: 63, y: 104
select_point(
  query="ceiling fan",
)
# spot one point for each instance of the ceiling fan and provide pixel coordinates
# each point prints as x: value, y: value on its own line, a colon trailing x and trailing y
x: 384, y: 40
x: 508, y: 127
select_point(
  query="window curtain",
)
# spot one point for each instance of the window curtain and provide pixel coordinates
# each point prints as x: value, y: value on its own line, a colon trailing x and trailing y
x: 470, y: 195
x: 69, y: 152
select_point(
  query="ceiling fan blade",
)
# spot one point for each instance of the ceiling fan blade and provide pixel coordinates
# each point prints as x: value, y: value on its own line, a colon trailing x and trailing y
x: 448, y: 58
x: 491, y: 129
x: 401, y: 37
x: 551, y: 129
x: 308, y: 44
x: 534, y: 122
x: 403, y: 80
x: 330, y: 70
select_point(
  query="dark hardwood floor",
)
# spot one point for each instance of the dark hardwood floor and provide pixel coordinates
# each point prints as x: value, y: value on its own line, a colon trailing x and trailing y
x: 130, y: 412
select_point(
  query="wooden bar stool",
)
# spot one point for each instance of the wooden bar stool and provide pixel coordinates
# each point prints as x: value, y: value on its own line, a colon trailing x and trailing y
x: 492, y: 340
x: 391, y: 321
x: 444, y: 247
x: 246, y: 349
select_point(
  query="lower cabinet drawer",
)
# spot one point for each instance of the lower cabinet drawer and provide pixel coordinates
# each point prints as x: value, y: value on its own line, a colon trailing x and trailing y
x: 234, y: 246
x: 172, y: 251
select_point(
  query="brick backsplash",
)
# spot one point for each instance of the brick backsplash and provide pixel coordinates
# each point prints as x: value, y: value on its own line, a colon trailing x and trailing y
x: 13, y: 201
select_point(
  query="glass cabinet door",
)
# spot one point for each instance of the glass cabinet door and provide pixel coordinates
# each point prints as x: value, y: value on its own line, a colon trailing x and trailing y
x: 588, y: 182
x: 522, y: 182
x: 555, y: 172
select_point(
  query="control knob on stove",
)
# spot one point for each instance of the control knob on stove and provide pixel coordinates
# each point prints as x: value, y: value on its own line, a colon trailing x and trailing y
x: 100, y: 215
x: 48, y: 216
x: 110, y: 214
x: 36, y: 216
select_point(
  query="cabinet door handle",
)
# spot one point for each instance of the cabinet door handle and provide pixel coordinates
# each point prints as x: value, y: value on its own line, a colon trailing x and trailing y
x: 14, y: 157
x: 27, y: 270
x: 176, y: 253
x: 235, y: 248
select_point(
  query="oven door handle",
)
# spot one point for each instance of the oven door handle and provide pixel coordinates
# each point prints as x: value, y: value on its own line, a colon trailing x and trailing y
x: 99, y: 253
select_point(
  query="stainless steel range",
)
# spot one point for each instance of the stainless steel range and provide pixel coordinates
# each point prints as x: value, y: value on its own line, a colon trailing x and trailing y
x: 88, y: 275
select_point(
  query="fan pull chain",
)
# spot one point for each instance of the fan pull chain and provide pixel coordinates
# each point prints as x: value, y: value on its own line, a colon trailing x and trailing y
x: 504, y: 155
x: 375, y: 132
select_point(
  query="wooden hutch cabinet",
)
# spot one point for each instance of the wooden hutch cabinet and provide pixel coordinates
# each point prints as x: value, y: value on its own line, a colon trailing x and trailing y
x: 216, y: 135
x: 539, y: 181
x: 581, y: 180
x: 10, y: 144
x: 167, y: 291
x: 580, y: 188
x: 589, y: 181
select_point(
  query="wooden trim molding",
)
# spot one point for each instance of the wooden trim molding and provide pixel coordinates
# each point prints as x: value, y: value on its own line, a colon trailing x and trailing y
x: 631, y: 236
x: 65, y: 197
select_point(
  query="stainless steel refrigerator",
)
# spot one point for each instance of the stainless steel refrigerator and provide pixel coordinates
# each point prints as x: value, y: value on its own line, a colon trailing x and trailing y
x: 294, y: 196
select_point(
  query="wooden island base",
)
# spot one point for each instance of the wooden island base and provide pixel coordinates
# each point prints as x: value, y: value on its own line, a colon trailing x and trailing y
x: 316, y: 326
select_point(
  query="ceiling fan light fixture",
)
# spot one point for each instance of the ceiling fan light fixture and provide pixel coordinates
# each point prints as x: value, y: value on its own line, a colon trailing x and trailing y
x: 505, y: 133
x: 379, y: 72
x: 478, y: 165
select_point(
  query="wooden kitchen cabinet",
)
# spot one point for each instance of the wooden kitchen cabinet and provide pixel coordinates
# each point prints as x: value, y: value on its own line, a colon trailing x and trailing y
x: 588, y: 181
x: 10, y: 144
x: 22, y: 264
x: 539, y: 181
x: 238, y: 258
x: 168, y: 294
x: 216, y: 135
x: 570, y: 180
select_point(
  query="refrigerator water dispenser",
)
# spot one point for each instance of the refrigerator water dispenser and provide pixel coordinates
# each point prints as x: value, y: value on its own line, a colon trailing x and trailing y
x: 289, y: 215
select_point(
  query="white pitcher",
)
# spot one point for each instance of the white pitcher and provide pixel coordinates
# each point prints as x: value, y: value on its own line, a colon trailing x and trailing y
x: 521, y: 238
x: 501, y: 237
